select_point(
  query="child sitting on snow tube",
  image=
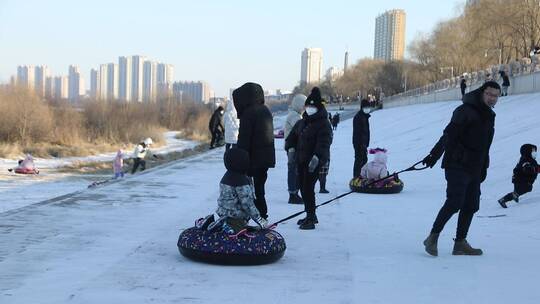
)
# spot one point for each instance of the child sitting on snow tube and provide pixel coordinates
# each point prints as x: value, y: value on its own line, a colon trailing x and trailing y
x: 373, y: 171
x: 25, y: 166
x: 228, y: 240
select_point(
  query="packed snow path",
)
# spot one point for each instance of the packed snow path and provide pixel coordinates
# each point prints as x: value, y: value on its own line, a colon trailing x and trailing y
x: 117, y: 243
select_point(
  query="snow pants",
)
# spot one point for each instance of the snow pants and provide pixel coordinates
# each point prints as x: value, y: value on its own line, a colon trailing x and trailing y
x: 307, y: 187
x: 360, y: 159
x: 138, y: 162
x: 463, y: 196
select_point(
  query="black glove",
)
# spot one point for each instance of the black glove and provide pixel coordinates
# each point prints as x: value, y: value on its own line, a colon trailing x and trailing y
x: 155, y: 156
x: 429, y: 161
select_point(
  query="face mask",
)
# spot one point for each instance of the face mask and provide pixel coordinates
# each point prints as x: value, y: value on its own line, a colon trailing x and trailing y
x: 221, y: 112
x: 533, y: 154
x: 311, y: 110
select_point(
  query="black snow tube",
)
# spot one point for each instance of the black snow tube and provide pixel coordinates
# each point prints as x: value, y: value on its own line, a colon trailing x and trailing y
x: 256, y: 248
x: 390, y: 186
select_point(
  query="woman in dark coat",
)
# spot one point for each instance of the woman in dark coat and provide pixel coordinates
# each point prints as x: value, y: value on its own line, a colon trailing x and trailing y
x: 311, y: 137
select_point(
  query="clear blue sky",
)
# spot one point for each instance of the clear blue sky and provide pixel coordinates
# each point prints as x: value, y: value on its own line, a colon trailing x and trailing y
x: 225, y: 43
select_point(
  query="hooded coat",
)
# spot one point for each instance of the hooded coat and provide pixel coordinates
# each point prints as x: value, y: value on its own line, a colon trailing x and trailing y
x: 216, y: 121
x: 375, y: 169
x: 256, y: 132
x: 526, y: 171
x: 466, y: 140
x: 232, y: 123
x: 295, y: 113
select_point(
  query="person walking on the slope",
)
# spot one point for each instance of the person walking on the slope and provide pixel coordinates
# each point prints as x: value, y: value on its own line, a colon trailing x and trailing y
x: 232, y: 123
x: 216, y: 127
x: 256, y: 136
x: 311, y: 137
x: 139, y: 154
x: 360, y: 139
x: 465, y: 142
x: 296, y: 110
x: 463, y: 86
x: 524, y: 174
x: 505, y: 83
x: 335, y: 121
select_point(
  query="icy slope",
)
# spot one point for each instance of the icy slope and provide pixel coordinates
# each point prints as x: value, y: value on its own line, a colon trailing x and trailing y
x: 117, y: 244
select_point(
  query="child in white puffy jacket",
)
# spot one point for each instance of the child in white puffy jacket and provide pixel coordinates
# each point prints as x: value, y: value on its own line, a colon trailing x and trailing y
x: 375, y: 169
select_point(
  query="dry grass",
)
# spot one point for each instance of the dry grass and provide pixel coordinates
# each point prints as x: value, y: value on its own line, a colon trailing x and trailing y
x: 31, y: 125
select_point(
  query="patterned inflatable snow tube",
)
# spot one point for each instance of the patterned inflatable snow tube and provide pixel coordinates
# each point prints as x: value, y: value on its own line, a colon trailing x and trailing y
x: 392, y: 186
x: 260, y: 247
x: 26, y: 171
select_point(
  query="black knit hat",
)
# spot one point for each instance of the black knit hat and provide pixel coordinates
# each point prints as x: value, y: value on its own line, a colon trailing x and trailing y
x: 315, y: 99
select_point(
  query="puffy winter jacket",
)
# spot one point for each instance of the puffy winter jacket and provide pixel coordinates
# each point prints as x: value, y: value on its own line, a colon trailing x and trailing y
x: 118, y: 162
x: 141, y: 150
x: 216, y: 121
x: 295, y: 113
x: 232, y: 123
x: 312, y: 135
x: 466, y: 140
x: 526, y: 171
x: 256, y: 132
x: 375, y: 169
x: 361, y: 130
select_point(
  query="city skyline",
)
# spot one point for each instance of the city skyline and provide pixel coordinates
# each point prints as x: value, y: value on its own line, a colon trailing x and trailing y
x: 259, y: 43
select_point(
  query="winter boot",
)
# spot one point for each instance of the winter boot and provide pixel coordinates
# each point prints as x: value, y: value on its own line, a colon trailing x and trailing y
x: 323, y: 190
x: 431, y: 244
x: 308, y: 223
x: 515, y: 197
x: 301, y: 222
x: 294, y: 198
x: 502, y: 202
x: 462, y: 247
x: 322, y: 182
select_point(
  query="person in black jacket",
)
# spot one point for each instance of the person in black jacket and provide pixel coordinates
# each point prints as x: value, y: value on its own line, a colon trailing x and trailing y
x: 216, y: 127
x: 465, y: 143
x: 311, y: 137
x: 463, y: 86
x: 525, y: 174
x: 505, y: 83
x: 360, y: 138
x: 256, y: 136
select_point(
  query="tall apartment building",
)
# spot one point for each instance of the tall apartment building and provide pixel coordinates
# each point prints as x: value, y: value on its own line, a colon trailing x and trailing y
x: 61, y: 87
x: 311, y: 70
x: 49, y: 87
x: 125, y: 82
x: 390, y: 35
x: 165, y: 78
x: 94, y: 83
x: 137, y: 71
x: 149, y: 81
x: 74, y: 83
x: 197, y: 91
x: 26, y: 76
x: 112, y: 81
x: 41, y: 74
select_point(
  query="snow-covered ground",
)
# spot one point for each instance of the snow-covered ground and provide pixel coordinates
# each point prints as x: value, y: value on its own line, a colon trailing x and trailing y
x: 21, y: 190
x: 117, y: 243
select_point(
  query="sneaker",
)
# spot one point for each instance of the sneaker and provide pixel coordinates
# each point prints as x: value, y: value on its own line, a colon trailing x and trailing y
x: 203, y: 223
x: 324, y: 191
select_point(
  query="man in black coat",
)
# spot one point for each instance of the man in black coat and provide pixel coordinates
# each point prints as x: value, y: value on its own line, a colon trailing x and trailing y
x: 216, y: 126
x: 463, y: 86
x: 311, y: 137
x: 360, y: 139
x: 465, y: 143
x: 256, y: 136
